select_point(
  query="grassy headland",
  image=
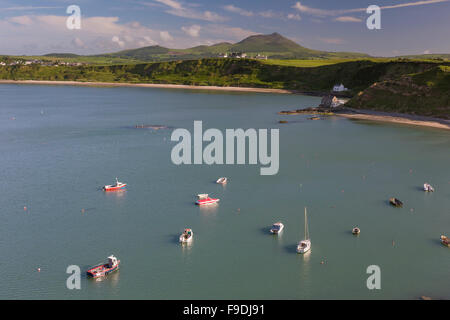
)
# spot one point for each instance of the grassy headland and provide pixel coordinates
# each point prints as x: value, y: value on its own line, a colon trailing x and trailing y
x: 399, y: 85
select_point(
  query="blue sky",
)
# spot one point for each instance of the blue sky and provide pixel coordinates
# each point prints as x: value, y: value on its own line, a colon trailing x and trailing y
x: 408, y: 26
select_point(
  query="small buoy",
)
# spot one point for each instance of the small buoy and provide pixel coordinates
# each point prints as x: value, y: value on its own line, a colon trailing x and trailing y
x: 322, y: 262
x: 25, y: 208
x: 39, y: 269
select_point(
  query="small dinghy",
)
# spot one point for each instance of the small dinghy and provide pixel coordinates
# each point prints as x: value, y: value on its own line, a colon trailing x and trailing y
x: 277, y: 228
x: 427, y: 187
x: 114, y: 187
x: 104, y: 269
x: 204, y: 199
x: 186, y: 236
x: 356, y: 231
x: 395, y: 202
x: 445, y: 241
x: 305, y: 244
x: 222, y: 180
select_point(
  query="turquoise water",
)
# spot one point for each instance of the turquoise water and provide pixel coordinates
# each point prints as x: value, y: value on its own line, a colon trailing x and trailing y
x: 59, y: 145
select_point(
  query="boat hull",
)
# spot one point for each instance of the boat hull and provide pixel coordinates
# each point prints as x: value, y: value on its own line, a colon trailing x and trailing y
x: 208, y: 201
x: 108, y: 188
x: 101, y: 271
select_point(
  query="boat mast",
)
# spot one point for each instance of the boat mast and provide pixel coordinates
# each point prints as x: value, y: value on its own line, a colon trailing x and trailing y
x: 306, y: 227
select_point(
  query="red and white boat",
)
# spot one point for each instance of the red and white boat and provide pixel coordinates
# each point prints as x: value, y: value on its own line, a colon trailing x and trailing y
x: 204, y: 199
x: 114, y: 187
x: 104, y: 269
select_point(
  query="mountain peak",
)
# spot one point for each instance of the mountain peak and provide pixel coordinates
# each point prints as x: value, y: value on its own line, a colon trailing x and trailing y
x: 274, y: 42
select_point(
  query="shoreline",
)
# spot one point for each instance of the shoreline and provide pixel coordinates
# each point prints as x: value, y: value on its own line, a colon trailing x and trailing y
x: 348, y: 113
x: 149, y: 85
x: 397, y: 118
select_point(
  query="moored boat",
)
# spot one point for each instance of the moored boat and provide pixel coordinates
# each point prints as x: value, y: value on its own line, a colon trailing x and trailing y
x: 104, y: 269
x: 427, y: 187
x: 356, y: 231
x: 114, y: 187
x: 222, y: 180
x: 305, y: 244
x: 395, y: 202
x: 445, y: 241
x: 204, y: 199
x: 277, y: 228
x: 186, y: 236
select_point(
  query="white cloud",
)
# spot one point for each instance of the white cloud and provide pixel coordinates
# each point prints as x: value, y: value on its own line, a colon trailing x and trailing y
x: 348, y: 19
x: 119, y: 42
x: 27, y: 8
x: 192, y: 31
x: 165, y: 36
x: 177, y: 9
x: 242, y: 12
x: 23, y: 20
x: 40, y: 34
x: 228, y: 33
x: 78, y: 43
x: 268, y: 14
x: 323, y: 12
x: 292, y: 16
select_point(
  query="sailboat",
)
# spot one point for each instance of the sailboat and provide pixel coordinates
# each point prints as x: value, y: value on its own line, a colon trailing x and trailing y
x: 304, y: 245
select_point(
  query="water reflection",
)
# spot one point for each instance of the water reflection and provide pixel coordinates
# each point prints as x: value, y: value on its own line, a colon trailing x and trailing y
x: 209, y: 209
x: 118, y: 193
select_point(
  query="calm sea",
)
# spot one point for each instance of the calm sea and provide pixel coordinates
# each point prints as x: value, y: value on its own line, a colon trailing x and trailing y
x: 59, y: 145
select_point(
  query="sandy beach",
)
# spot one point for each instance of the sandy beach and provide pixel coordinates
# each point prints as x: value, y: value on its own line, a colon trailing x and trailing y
x: 144, y: 85
x: 350, y: 113
x: 396, y: 118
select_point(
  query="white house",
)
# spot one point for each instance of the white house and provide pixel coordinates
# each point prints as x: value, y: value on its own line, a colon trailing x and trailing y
x: 339, y: 88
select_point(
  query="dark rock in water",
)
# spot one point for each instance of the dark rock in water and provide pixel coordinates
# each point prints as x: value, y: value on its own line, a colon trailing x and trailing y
x: 326, y: 101
x: 149, y: 126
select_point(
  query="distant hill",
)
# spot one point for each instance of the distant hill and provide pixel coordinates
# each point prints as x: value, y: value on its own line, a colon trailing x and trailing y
x: 274, y: 46
x: 62, y: 55
x: 430, y: 56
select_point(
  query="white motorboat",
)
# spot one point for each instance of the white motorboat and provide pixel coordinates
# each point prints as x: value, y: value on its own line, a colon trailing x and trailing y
x: 277, y: 228
x: 305, y: 244
x: 186, y: 236
x: 427, y: 187
x: 222, y: 180
x: 356, y: 231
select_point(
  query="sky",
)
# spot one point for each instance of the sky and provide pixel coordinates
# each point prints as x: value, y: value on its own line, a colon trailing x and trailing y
x: 33, y: 27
